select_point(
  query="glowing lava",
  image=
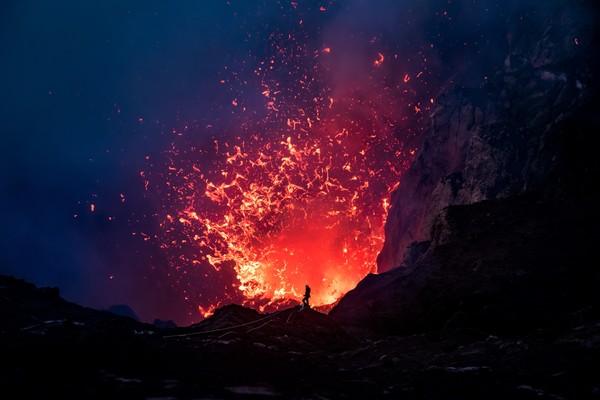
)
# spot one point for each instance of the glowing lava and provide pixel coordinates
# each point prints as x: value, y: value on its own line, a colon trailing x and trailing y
x: 300, y: 210
x: 297, y: 196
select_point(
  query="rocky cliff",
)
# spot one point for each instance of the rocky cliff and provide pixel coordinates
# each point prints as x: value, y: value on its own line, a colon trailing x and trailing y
x: 492, y: 232
x: 528, y: 128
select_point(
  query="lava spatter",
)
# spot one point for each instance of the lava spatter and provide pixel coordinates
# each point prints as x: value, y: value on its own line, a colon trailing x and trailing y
x: 300, y: 192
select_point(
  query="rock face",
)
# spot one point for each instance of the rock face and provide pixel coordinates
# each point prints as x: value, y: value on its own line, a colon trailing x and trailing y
x: 529, y: 128
x: 492, y: 232
x: 497, y: 267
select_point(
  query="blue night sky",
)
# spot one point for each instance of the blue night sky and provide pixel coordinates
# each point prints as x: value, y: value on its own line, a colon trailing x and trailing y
x: 92, y: 91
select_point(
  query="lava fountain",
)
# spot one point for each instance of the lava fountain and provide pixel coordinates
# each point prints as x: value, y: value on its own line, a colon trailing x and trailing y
x: 300, y: 192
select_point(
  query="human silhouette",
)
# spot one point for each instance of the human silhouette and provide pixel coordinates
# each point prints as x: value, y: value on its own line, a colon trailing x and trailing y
x: 306, y: 297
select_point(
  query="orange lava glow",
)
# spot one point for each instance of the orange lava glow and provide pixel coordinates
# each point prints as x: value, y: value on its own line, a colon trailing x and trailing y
x: 287, y: 209
x: 290, y: 213
x: 299, y: 197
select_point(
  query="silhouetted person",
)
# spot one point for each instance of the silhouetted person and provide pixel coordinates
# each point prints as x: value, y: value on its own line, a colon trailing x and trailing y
x: 306, y: 297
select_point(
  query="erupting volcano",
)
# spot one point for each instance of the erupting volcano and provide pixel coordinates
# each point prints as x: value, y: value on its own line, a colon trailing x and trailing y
x: 322, y: 199
x: 297, y: 191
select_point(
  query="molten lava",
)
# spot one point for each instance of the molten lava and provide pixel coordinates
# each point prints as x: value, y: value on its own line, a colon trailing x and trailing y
x: 300, y: 210
x: 297, y: 196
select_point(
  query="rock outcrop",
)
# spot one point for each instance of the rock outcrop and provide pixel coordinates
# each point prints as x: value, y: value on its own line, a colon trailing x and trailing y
x: 492, y: 232
x: 529, y: 128
x: 498, y: 267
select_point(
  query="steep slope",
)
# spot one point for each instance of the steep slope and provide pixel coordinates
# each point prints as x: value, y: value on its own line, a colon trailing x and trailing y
x: 497, y: 267
x: 531, y: 127
x: 491, y: 234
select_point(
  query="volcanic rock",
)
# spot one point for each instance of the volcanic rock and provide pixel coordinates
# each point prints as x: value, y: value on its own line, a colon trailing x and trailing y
x: 53, y: 348
x: 497, y: 267
x: 529, y: 128
x: 102, y: 355
x: 491, y: 232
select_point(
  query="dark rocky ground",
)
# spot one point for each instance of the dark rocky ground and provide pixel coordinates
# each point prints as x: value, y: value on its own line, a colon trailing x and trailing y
x: 503, y: 304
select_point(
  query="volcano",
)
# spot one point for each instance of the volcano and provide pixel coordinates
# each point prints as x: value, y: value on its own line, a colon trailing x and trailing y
x: 484, y: 285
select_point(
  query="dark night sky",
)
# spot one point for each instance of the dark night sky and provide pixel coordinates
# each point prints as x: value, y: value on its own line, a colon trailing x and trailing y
x: 90, y: 89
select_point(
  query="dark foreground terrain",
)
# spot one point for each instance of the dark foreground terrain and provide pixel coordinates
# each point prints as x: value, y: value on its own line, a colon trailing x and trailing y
x: 503, y: 304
